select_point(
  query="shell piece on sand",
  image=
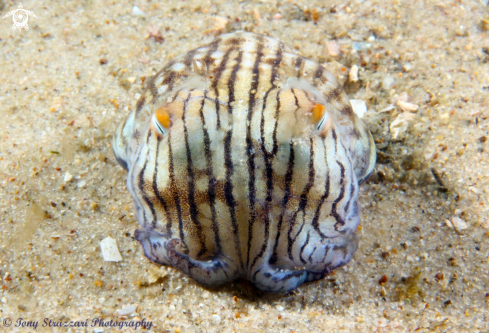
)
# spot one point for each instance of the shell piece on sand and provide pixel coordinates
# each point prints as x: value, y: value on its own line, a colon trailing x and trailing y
x: 68, y: 177
x: 353, y: 76
x: 388, y: 108
x: 359, y: 107
x: 398, y: 126
x: 127, y: 310
x: 138, y: 12
x: 110, y: 251
x: 458, y: 223
x: 333, y: 48
x: 407, y: 106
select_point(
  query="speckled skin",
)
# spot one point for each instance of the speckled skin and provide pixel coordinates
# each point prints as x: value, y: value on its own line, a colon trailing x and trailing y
x: 247, y: 181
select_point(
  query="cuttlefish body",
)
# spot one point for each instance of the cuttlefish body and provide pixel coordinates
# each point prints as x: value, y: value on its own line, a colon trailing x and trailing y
x: 244, y: 160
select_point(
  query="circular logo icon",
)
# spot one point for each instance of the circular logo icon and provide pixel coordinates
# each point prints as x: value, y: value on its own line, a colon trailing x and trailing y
x: 7, y: 322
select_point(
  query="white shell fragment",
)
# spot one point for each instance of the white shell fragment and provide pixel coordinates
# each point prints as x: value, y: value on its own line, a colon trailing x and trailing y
x: 353, y: 76
x: 407, y: 106
x: 110, y: 251
x: 359, y: 107
x: 68, y: 177
x: 138, y: 12
x: 398, y: 126
x: 388, y: 108
x: 458, y: 223
x: 407, y: 66
x: 126, y: 310
x: 333, y: 48
x: 216, y: 319
x: 221, y: 22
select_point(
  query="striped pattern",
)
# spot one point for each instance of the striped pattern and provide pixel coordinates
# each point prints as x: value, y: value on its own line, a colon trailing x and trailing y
x: 244, y: 184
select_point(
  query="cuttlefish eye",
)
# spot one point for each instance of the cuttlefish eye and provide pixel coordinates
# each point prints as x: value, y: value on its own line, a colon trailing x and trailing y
x: 161, y: 120
x: 321, y: 117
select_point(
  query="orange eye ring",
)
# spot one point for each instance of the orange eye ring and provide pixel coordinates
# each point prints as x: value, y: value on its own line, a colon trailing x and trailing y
x: 163, y: 117
x: 321, y: 118
x: 318, y: 112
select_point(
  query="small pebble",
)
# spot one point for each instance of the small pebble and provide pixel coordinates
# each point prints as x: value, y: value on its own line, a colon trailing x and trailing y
x: 359, y: 107
x: 458, y: 223
x: 110, y: 251
x: 353, y: 76
x: 398, y: 126
x: 407, y: 66
x: 220, y: 23
x: 388, y: 108
x: 127, y: 310
x: 68, y: 177
x: 138, y: 12
x: 388, y: 83
x: 360, y: 46
x: 407, y: 106
x: 333, y: 48
x: 216, y: 319
x: 280, y: 308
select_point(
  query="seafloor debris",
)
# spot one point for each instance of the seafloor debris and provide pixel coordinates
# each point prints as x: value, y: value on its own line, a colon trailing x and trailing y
x: 457, y: 222
x: 333, y: 48
x: 359, y: 107
x: 353, y: 76
x: 110, y: 251
x: 127, y: 310
x: 68, y: 177
x: 400, y: 124
x: 407, y: 106
x: 138, y: 12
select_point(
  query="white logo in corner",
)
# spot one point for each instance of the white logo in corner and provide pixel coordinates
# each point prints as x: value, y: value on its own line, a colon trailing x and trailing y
x: 20, y: 17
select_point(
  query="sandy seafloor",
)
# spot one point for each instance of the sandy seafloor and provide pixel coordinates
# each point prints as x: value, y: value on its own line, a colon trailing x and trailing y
x: 67, y: 82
